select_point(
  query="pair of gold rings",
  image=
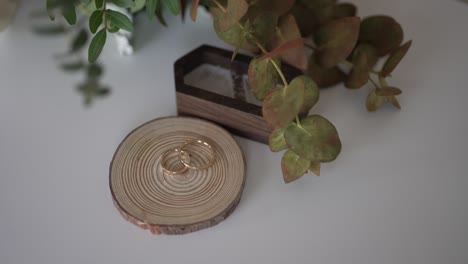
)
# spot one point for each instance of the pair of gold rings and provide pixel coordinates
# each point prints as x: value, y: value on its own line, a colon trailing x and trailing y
x: 184, y: 157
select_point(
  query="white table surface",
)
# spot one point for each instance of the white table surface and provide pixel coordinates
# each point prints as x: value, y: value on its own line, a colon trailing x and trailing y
x: 396, y: 194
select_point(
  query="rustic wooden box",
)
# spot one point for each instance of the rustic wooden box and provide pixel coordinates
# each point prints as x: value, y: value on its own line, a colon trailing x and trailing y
x: 217, y: 99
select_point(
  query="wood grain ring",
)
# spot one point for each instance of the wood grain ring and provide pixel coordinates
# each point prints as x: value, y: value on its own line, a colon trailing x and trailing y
x: 176, y: 204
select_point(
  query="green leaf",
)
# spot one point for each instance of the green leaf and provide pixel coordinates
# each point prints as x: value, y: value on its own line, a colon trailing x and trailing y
x: 394, y: 59
x: 374, y: 102
x: 139, y: 5
x: 277, y: 7
x: 382, y: 32
x: 50, y: 6
x: 159, y: 14
x: 293, y: 166
x: 315, y: 167
x: 69, y: 12
x: 263, y: 27
x: 364, y: 59
x: 276, y: 140
x: 311, y: 92
x: 320, y: 10
x: 344, y: 10
x: 97, y: 43
x: 306, y: 23
x: 173, y: 6
x: 315, y: 138
x: 282, y: 105
x: 262, y: 77
x: 99, y: 3
x: 288, y: 30
x: 94, y: 70
x: 79, y: 41
x: 123, y: 3
x: 119, y: 20
x: 95, y: 20
x: 336, y: 40
x: 234, y: 36
x: 49, y: 30
x: 235, y: 10
x: 388, y: 91
x: 325, y: 77
x: 151, y: 8
x: 72, y: 66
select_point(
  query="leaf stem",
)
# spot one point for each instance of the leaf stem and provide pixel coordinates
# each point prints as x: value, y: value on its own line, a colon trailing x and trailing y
x: 298, y: 122
x: 382, y: 81
x: 374, y: 83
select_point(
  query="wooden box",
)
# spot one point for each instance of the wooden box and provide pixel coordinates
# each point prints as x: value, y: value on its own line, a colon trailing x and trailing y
x: 210, y: 86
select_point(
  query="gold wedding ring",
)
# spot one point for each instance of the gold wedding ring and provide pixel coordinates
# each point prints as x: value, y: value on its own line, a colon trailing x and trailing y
x: 200, y: 142
x: 164, y: 161
x: 187, y: 163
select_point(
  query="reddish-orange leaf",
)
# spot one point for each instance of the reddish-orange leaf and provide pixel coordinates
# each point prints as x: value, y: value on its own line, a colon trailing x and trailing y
x: 193, y: 9
x: 281, y: 49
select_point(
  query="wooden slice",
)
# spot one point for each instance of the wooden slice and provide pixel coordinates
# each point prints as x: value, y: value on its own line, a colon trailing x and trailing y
x: 176, y: 204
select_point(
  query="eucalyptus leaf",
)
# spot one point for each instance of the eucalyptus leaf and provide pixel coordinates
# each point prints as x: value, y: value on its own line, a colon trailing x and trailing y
x: 287, y: 31
x: 263, y: 27
x: 235, y: 10
x: 336, y: 40
x: 315, y: 167
x: 315, y: 138
x: 344, y: 10
x: 262, y: 77
x: 325, y: 77
x: 293, y: 166
x: 382, y: 32
x: 364, y: 58
x: 395, y: 58
x: 311, y: 92
x: 276, y: 140
x: 388, y: 91
x: 234, y: 36
x: 119, y: 20
x: 320, y: 10
x: 374, y: 102
x: 282, y: 105
x: 97, y: 43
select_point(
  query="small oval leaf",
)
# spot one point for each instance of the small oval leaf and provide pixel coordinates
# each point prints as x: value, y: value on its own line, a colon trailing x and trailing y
x: 95, y: 20
x: 336, y: 40
x: 315, y: 138
x: 262, y: 77
x: 276, y: 140
x: 97, y: 43
x: 173, y: 6
x: 293, y: 166
x: 388, y: 91
x: 395, y: 58
x: 382, y: 32
x: 282, y: 105
x: 119, y: 20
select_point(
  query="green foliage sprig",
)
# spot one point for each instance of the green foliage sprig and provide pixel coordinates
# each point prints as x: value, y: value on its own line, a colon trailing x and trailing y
x: 281, y: 31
